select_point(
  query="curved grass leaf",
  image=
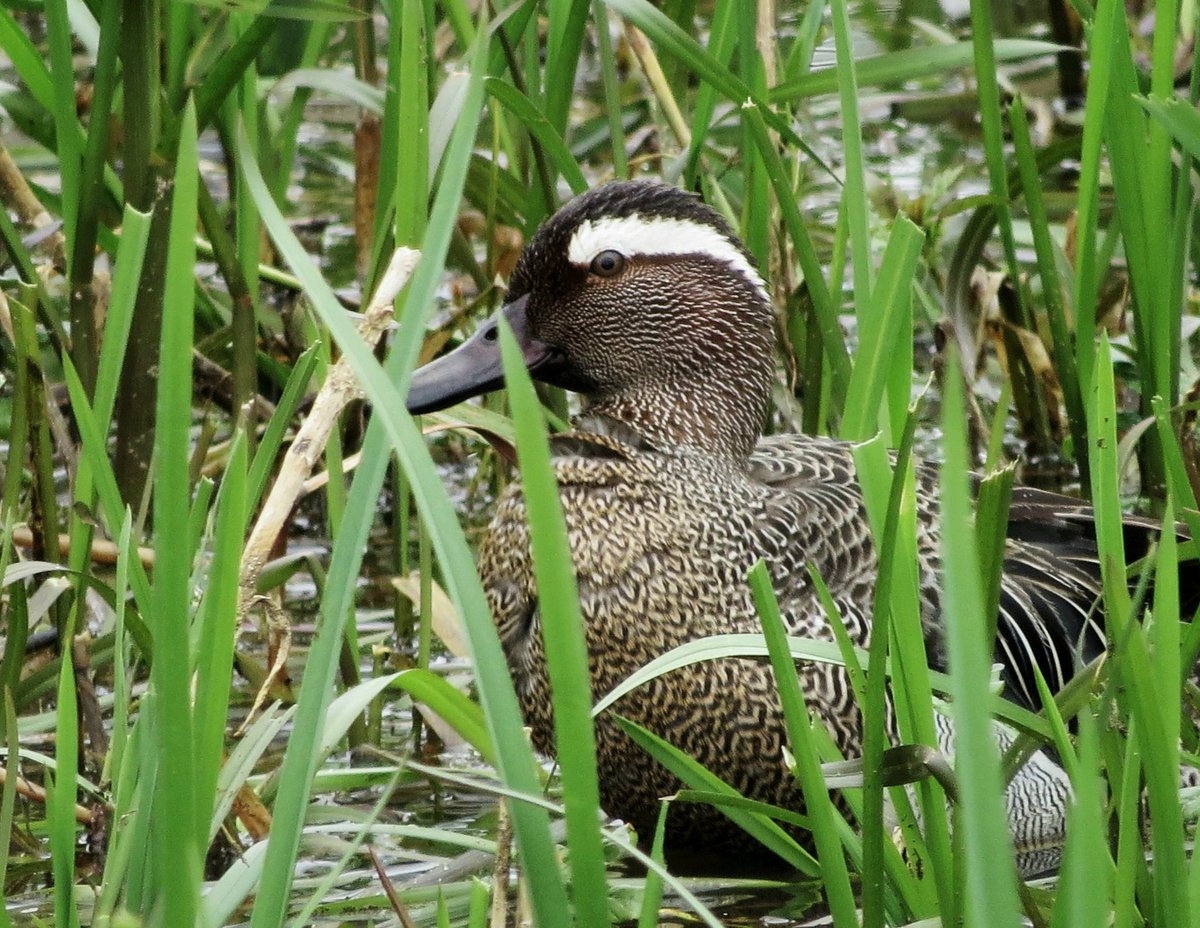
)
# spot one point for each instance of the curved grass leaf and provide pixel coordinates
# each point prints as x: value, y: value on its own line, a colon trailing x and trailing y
x: 716, y: 647
x: 301, y: 10
x: 677, y: 43
x: 882, y: 329
x: 333, y: 83
x: 1177, y: 116
x: 26, y: 61
x: 540, y: 128
x: 777, y: 813
x: 242, y: 760
x: 460, y: 712
x: 754, y: 823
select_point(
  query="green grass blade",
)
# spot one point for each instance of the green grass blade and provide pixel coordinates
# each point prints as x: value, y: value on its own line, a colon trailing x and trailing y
x: 267, y: 451
x: 991, y: 525
x: 541, y: 128
x: 135, y: 233
x: 1160, y: 748
x: 982, y: 35
x: 1052, y: 296
x: 832, y: 339
x: 819, y: 807
x: 722, y: 39
x: 66, y: 124
x: 91, y: 189
x: 612, y: 92
x: 890, y: 503
x: 567, y: 24
x: 218, y: 630
x: 61, y: 813
x: 802, y: 649
x: 464, y: 715
x: 1179, y: 486
x: 12, y: 770
x: 855, y: 192
x: 1084, y: 894
x: 905, y: 65
x: 411, y: 132
x: 677, y: 886
x: 652, y: 889
x: 990, y: 890
x: 96, y: 450
x: 1160, y: 321
x: 178, y: 844
x: 228, y: 70
x: 1165, y: 627
x: 121, y: 678
x: 26, y: 61
x: 756, y: 212
x: 1145, y: 686
x: 1106, y: 494
x: 1178, y: 117
x: 1062, y: 738
x: 882, y: 328
x: 678, y: 44
x: 1131, y: 850
x: 563, y: 637
x: 775, y: 813
x: 808, y: 34
x: 1141, y: 180
x: 1103, y: 42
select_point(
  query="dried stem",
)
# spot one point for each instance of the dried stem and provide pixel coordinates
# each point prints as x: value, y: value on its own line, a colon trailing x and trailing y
x: 340, y: 388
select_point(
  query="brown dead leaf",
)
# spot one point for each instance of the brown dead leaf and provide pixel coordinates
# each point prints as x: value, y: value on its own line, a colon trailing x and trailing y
x: 447, y: 624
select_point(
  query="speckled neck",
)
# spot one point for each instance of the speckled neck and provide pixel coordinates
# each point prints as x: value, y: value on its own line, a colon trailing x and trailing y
x: 720, y: 417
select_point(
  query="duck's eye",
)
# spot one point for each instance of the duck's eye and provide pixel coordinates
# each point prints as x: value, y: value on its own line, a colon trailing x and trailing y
x: 608, y: 264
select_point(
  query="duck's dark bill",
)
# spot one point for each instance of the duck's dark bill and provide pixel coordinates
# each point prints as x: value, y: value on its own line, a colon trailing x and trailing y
x: 474, y: 367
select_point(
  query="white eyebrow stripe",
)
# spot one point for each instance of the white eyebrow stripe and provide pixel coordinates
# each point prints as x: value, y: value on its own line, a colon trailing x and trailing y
x: 639, y: 235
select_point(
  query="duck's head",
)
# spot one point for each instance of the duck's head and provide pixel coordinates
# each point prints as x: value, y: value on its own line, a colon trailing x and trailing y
x: 642, y: 299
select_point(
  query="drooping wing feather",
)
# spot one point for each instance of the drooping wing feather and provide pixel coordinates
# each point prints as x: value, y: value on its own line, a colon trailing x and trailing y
x: 1050, y: 598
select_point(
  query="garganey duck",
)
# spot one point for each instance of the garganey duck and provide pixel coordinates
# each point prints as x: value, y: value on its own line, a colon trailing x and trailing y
x: 642, y: 299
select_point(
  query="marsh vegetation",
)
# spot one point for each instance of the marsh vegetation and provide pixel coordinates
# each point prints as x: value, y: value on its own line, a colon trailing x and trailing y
x: 209, y: 721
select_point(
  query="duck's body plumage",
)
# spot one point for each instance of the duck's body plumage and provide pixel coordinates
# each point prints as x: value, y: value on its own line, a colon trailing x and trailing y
x: 642, y: 299
x: 682, y: 530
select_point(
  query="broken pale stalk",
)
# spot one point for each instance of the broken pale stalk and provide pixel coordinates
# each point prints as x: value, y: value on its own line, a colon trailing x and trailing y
x: 340, y: 387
